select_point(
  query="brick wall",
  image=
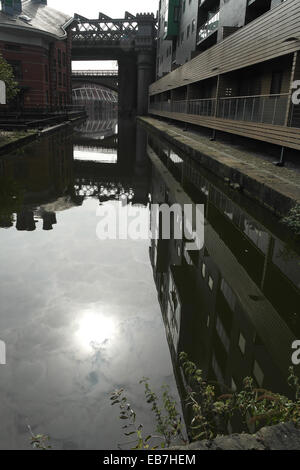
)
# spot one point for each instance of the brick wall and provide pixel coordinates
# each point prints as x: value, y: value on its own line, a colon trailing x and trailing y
x: 43, y: 75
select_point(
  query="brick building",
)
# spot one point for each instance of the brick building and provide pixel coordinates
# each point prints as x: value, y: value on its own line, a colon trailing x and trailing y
x: 36, y: 41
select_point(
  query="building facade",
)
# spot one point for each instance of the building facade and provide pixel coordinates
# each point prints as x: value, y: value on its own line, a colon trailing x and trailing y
x: 243, y: 72
x: 36, y: 41
x: 197, y: 25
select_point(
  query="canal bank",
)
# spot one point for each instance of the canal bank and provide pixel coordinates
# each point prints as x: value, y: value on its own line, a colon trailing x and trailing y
x: 13, y: 140
x: 276, y: 188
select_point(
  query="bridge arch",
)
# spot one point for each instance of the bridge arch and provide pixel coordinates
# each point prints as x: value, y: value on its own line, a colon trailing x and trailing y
x: 91, y: 92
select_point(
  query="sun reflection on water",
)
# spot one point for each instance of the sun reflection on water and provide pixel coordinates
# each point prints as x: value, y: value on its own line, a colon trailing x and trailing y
x: 95, y: 330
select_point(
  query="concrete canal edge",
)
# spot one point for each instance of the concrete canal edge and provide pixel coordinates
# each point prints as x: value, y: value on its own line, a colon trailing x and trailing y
x: 34, y: 135
x: 279, y: 437
x: 277, y: 189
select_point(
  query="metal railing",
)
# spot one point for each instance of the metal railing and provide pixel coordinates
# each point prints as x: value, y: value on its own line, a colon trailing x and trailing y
x: 208, y: 28
x: 267, y: 109
x: 95, y: 73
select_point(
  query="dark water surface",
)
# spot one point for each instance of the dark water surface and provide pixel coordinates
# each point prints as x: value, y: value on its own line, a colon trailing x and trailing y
x: 81, y: 317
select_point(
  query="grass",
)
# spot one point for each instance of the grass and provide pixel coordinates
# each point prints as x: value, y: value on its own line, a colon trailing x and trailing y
x: 7, y: 137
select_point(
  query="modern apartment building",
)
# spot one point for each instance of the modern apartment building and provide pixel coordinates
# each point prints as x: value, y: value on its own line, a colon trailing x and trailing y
x: 243, y: 63
x: 187, y: 27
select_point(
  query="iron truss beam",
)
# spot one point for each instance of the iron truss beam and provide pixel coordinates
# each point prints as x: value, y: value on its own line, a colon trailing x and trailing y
x: 107, y: 31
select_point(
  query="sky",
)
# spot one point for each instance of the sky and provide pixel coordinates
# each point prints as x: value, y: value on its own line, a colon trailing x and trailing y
x: 113, y: 8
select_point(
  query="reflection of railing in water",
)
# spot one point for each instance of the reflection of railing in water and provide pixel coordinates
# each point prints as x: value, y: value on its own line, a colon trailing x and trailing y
x: 97, y: 126
x: 104, y: 190
x: 268, y: 109
x: 87, y: 148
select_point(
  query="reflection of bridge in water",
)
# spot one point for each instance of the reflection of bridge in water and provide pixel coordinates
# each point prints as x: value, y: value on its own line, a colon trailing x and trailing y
x: 95, y: 127
x: 57, y: 182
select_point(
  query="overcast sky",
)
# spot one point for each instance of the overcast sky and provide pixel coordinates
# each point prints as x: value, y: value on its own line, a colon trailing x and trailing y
x: 113, y: 8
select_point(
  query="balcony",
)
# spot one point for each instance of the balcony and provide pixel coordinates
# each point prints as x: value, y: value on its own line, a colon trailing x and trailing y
x: 208, y: 28
x: 265, y: 109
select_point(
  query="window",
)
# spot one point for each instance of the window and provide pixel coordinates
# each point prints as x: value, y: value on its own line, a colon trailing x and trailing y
x: 183, y: 6
x: 17, y: 68
x: 46, y: 73
x: 182, y: 37
x: 233, y: 385
x: 203, y: 270
x: 228, y: 294
x: 64, y: 59
x: 222, y: 334
x: 276, y: 83
x: 242, y: 343
x: 188, y: 29
x: 193, y: 26
x: 176, y: 14
x: 210, y: 283
x: 59, y: 57
x: 258, y: 374
x: 179, y: 251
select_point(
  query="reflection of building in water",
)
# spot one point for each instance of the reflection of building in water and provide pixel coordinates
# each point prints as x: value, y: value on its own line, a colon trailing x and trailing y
x: 41, y: 173
x: 49, y: 180
x: 233, y: 306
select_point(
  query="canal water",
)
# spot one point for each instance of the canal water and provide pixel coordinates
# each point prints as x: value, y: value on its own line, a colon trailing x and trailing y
x: 81, y: 317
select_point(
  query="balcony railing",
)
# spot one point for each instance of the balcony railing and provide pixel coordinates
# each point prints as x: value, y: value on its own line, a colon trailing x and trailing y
x: 267, y: 109
x: 208, y: 28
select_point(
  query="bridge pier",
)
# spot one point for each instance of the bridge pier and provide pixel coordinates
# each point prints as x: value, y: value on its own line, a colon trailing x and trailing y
x: 144, y: 79
x: 127, y: 86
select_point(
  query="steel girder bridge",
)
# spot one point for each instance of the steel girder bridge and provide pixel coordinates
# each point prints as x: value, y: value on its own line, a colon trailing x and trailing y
x: 91, y: 92
x: 131, y: 41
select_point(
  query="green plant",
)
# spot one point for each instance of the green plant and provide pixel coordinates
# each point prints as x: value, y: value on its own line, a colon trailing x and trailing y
x: 168, y: 419
x: 39, y: 441
x: 208, y: 413
x: 7, y: 76
x: 211, y: 413
x: 292, y: 220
